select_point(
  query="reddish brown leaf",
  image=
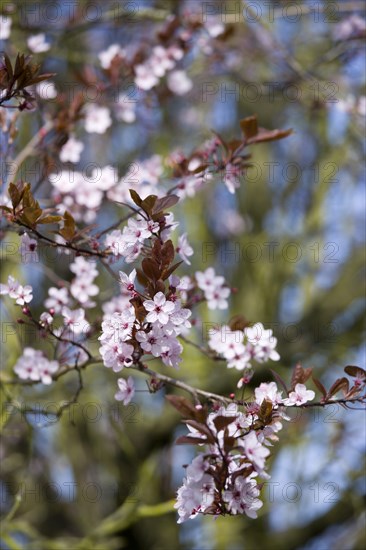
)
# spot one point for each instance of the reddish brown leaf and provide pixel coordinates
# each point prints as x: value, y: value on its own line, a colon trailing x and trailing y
x: 297, y: 376
x: 340, y: 384
x: 185, y: 407
x: 269, y: 135
x: 320, y: 386
x: 135, y: 197
x: 279, y: 380
x: 167, y: 272
x: 238, y: 322
x: 265, y: 410
x: 357, y: 372
x: 249, y: 126
x: 164, y: 202
x: 202, y: 428
x: 148, y: 204
x: 186, y: 440
x: 222, y: 422
x: 151, y: 268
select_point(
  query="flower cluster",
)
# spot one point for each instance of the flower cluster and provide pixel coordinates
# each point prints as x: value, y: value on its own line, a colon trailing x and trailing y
x: 78, y: 193
x: 21, y: 294
x: 214, y: 288
x: 224, y: 478
x: 240, y: 347
x: 82, y: 286
x: 155, y: 334
x: 129, y: 242
x: 33, y: 365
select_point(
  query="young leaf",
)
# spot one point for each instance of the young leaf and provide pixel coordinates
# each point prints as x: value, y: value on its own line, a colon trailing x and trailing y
x: 50, y: 219
x: 164, y: 202
x: 141, y: 277
x: 279, y: 380
x: 135, y: 197
x: 320, y: 386
x: 167, y: 272
x: 238, y: 322
x: 69, y: 228
x: 249, y: 126
x: 148, y: 204
x: 14, y: 194
x: 340, y: 384
x: 265, y: 410
x: 297, y: 376
x: 201, y: 428
x: 167, y: 253
x: 357, y: 372
x: 185, y: 407
x: 221, y: 422
x: 269, y: 135
x: 151, y: 268
x: 186, y: 440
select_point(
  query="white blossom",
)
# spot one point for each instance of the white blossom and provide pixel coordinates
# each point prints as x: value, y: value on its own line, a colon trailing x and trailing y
x: 32, y: 365
x: 38, y: 44
x: 5, y: 26
x: 71, y: 151
x: 299, y: 396
x: 97, y: 119
x: 126, y: 390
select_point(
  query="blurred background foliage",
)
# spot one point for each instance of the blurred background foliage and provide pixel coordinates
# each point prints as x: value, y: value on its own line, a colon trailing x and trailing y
x: 291, y: 241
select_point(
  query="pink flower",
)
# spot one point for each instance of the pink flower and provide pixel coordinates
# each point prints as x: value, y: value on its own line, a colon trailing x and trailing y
x: 216, y: 298
x: 254, y: 451
x: 107, y: 56
x: 125, y: 108
x: 97, y: 119
x: 75, y: 320
x: 242, y: 498
x: 58, y: 298
x: 116, y: 355
x: 28, y: 249
x: 299, y: 396
x: 5, y: 26
x: 71, y: 151
x: 208, y: 280
x: 159, y: 309
x: 37, y: 43
x: 179, y: 83
x: 152, y: 342
x: 32, y: 365
x: 11, y: 288
x: 184, y: 249
x: 126, y: 390
x: 23, y: 295
x: 268, y: 391
x: 127, y: 281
